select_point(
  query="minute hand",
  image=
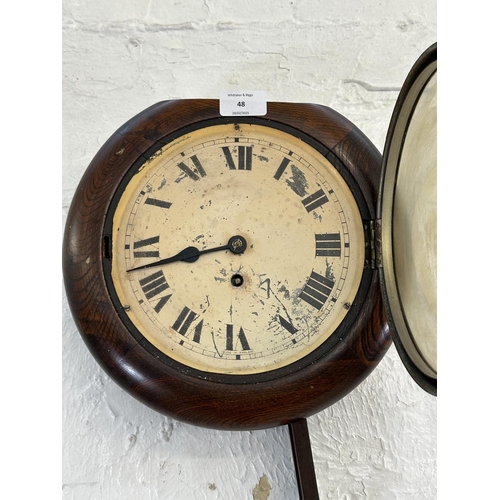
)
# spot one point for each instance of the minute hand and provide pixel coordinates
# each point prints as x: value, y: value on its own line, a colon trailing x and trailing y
x: 236, y: 244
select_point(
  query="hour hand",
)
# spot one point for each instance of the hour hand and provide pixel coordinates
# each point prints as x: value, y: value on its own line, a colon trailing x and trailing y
x: 236, y: 245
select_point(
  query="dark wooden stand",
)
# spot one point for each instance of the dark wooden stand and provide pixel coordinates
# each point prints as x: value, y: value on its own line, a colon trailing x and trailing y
x: 303, y: 460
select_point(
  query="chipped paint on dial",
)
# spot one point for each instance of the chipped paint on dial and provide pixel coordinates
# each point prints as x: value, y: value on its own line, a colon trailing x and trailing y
x: 237, y: 313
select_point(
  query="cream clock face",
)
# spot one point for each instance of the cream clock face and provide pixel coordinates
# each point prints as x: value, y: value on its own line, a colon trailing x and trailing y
x: 236, y: 249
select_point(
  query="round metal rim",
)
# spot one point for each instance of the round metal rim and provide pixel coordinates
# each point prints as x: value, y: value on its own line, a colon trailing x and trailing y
x: 416, y: 81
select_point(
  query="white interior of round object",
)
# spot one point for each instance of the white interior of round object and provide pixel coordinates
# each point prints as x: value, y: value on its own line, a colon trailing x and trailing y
x: 415, y: 226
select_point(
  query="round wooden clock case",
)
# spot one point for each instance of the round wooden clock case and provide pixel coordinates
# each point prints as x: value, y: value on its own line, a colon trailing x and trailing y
x: 224, y: 339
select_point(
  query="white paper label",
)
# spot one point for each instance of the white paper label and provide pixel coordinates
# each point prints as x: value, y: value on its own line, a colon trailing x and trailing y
x: 243, y: 103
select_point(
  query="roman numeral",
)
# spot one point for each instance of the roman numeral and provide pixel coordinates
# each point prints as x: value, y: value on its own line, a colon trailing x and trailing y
x: 315, y: 200
x: 153, y: 285
x: 241, y: 337
x: 328, y: 245
x: 145, y: 243
x: 317, y: 290
x: 195, y: 173
x: 157, y: 203
x: 244, y: 158
x: 281, y: 168
x: 287, y: 325
x: 185, y: 320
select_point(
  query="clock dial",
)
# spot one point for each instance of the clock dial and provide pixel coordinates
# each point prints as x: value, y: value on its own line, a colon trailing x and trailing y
x: 235, y: 249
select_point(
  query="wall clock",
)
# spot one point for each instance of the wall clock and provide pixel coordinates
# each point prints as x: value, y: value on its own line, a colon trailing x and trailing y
x: 227, y: 271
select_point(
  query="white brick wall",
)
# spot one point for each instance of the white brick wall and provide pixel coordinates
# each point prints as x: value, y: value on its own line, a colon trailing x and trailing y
x: 121, y: 56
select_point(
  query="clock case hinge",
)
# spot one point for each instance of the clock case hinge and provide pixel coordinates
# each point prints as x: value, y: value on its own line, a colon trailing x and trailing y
x: 373, y: 244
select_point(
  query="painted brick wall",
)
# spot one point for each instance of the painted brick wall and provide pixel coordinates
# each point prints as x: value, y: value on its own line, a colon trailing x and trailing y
x: 121, y: 56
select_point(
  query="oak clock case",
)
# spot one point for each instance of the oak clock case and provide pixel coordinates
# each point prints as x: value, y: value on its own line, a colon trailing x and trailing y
x: 266, y: 307
x: 226, y: 271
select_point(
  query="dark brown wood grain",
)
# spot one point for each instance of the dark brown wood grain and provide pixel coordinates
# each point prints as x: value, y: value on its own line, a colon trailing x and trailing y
x: 192, y: 399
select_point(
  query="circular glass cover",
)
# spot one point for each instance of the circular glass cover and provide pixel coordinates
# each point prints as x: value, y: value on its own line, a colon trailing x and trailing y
x: 409, y: 222
x: 237, y: 249
x: 415, y: 225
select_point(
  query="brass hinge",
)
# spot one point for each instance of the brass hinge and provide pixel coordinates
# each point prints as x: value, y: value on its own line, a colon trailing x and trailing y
x: 373, y: 244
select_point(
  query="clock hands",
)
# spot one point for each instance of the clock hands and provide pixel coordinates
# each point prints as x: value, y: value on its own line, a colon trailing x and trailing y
x: 236, y: 245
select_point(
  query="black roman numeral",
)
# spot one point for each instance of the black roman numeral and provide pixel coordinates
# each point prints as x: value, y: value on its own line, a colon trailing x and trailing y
x: 146, y: 243
x: 282, y: 168
x: 298, y: 185
x: 185, y: 320
x: 317, y: 290
x: 244, y: 158
x: 287, y: 325
x: 315, y: 200
x: 153, y: 285
x: 241, y: 337
x: 195, y: 173
x: 328, y: 245
x: 157, y: 203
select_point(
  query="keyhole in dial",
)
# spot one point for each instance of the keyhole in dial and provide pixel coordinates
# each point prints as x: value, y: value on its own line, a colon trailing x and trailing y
x: 237, y: 280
